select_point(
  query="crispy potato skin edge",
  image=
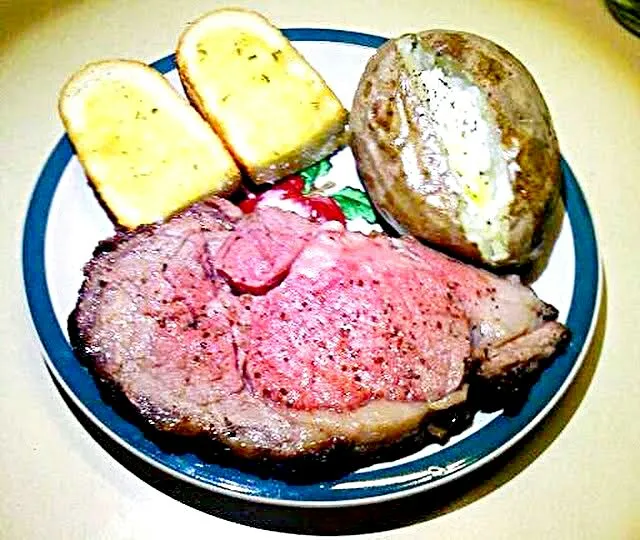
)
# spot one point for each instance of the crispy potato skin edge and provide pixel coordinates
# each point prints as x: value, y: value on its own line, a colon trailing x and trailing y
x: 522, y: 116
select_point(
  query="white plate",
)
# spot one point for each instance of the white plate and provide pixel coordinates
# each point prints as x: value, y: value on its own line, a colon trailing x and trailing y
x: 65, y: 222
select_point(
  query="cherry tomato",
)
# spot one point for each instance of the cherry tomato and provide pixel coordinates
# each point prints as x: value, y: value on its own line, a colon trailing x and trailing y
x: 248, y: 204
x: 287, y: 195
x: 325, y: 209
x: 292, y: 185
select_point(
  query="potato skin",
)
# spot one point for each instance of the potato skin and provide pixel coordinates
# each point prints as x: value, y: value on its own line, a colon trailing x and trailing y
x: 520, y: 113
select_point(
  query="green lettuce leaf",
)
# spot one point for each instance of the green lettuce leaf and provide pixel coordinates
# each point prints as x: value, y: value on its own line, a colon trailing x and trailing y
x: 355, y: 203
x: 310, y: 174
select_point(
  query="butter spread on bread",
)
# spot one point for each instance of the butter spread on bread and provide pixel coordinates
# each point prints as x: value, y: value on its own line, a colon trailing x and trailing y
x: 274, y: 111
x: 146, y: 151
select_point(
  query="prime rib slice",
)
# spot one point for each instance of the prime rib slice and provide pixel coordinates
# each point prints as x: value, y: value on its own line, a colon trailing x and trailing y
x: 281, y: 338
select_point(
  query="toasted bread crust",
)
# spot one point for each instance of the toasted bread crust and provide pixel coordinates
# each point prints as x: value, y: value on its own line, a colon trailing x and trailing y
x: 145, y: 151
x: 263, y: 153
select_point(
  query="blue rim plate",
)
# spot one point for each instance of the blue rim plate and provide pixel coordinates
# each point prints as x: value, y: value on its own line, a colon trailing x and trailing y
x: 366, y: 486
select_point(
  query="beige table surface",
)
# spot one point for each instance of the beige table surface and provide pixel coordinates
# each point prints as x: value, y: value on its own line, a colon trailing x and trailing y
x: 577, y: 476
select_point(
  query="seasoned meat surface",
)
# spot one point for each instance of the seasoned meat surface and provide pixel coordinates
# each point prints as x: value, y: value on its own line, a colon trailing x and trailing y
x: 353, y: 322
x: 281, y: 338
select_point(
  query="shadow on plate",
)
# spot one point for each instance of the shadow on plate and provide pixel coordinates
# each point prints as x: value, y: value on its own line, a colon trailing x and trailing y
x: 380, y: 516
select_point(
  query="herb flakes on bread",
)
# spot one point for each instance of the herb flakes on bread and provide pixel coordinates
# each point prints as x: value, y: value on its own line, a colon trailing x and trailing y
x: 146, y: 151
x: 274, y: 111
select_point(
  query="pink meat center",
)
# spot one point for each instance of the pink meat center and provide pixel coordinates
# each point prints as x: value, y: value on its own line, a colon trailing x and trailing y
x: 350, y: 324
x: 194, y: 337
x: 321, y: 319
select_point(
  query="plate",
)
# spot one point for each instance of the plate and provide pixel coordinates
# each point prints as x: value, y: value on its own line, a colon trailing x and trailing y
x: 64, y: 223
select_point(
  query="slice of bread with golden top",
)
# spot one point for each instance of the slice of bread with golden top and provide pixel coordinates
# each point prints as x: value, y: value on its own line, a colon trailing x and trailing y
x: 146, y: 151
x: 274, y: 111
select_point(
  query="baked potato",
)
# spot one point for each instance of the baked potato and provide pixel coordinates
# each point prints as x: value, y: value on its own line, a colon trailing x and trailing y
x: 454, y: 143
